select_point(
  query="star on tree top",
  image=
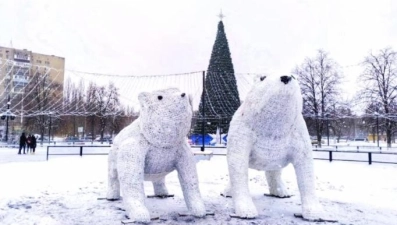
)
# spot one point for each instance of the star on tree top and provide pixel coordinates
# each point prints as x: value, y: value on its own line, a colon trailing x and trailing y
x: 221, y: 16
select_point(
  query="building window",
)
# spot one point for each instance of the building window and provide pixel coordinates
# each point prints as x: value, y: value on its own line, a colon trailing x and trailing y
x: 47, y: 63
x: 38, y: 61
x: 1, y: 55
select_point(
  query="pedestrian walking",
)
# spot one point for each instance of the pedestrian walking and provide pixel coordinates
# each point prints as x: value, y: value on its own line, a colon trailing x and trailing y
x: 22, y: 143
x: 33, y: 144
x: 29, y: 144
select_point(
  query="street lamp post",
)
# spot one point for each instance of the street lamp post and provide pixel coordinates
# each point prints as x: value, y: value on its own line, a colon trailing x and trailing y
x: 377, y: 127
x: 361, y: 132
x: 327, y: 115
x: 220, y: 132
x: 8, y: 110
x: 74, y: 127
x: 8, y: 115
x: 49, y: 129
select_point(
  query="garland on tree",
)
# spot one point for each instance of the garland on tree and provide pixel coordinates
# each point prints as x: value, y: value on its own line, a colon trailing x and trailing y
x: 221, y: 94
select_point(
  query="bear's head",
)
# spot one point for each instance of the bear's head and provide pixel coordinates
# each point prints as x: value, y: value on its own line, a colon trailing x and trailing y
x: 165, y: 116
x: 273, y: 103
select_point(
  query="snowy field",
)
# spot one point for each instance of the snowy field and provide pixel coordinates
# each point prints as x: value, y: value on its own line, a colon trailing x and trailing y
x: 64, y: 190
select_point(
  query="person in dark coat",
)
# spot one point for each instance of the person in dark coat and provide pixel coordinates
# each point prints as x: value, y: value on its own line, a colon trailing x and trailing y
x: 22, y: 143
x: 29, y: 143
x: 33, y: 143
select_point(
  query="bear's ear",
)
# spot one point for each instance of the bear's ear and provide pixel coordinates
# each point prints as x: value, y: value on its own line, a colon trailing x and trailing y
x: 259, y: 78
x: 144, y: 99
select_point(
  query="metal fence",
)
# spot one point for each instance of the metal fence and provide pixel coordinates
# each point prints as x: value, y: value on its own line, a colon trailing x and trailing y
x: 368, y: 154
x: 341, y: 155
x: 351, y: 153
x: 80, y: 148
x: 357, y: 147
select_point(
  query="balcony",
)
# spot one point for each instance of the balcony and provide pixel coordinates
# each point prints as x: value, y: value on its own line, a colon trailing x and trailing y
x: 18, y: 90
x: 22, y: 57
x: 19, y: 79
x: 21, y: 73
x: 19, y: 84
x: 22, y: 64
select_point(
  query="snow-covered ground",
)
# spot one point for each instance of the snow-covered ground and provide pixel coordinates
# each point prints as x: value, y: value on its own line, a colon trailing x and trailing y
x: 64, y: 190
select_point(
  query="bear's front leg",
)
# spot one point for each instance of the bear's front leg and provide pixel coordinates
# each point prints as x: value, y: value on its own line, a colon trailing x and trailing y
x: 159, y: 187
x: 130, y: 167
x: 113, y: 180
x: 311, y: 208
x: 238, y: 162
x: 227, y: 192
x: 276, y: 185
x: 188, y: 179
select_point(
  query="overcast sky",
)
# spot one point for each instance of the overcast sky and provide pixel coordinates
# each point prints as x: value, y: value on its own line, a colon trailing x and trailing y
x: 174, y: 36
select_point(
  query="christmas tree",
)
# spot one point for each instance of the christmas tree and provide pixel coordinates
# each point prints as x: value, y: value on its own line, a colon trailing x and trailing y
x: 221, y: 98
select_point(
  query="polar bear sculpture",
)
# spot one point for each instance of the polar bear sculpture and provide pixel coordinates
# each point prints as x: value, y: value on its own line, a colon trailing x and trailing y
x: 151, y: 147
x: 267, y: 133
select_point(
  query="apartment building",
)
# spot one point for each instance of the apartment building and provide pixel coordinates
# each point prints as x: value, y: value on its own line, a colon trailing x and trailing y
x: 17, y: 69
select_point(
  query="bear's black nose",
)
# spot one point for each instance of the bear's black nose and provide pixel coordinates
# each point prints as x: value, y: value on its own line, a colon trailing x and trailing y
x: 285, y: 79
x: 183, y: 95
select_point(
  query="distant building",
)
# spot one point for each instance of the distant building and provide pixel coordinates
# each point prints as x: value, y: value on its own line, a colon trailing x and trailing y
x: 17, y: 67
x: 22, y: 64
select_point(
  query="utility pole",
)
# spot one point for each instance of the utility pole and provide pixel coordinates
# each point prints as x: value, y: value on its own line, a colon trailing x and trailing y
x: 377, y: 127
x: 8, y: 115
x: 74, y: 126
x: 8, y: 110
x: 327, y: 115
x: 49, y: 129
x: 203, y: 115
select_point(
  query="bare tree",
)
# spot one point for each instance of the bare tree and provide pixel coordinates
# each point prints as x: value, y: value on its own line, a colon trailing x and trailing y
x: 379, y: 80
x: 70, y: 103
x: 106, y: 103
x: 42, y: 99
x: 77, y: 105
x: 90, y: 107
x: 99, y: 104
x: 319, y: 78
x: 342, y: 120
x: 118, y: 121
x: 67, y: 100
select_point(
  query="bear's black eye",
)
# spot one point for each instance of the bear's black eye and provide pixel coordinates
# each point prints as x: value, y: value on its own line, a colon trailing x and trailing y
x: 262, y: 78
x: 160, y: 97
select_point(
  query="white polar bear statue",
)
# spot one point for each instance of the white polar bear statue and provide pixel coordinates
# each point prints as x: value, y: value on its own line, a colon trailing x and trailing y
x: 151, y: 147
x: 268, y: 132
